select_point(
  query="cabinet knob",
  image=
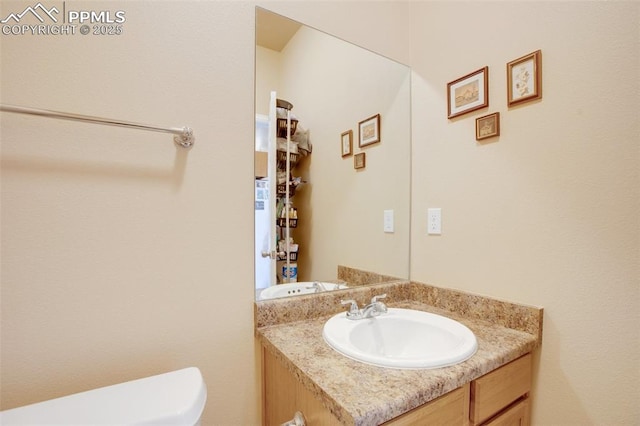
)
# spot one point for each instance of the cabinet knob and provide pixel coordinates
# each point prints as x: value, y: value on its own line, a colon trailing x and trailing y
x: 298, y: 420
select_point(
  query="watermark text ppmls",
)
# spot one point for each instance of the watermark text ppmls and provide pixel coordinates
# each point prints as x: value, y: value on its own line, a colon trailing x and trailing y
x: 61, y: 18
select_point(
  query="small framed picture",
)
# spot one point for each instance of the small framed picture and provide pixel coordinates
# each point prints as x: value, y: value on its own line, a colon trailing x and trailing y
x: 346, y: 142
x: 369, y: 131
x: 468, y: 93
x: 359, y: 161
x: 524, y: 78
x: 488, y: 126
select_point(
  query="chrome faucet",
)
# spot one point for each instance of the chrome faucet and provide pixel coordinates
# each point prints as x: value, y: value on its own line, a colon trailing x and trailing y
x: 373, y: 309
x: 316, y: 287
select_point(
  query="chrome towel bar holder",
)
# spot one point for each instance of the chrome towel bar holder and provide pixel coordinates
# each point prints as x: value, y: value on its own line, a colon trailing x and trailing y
x: 183, y: 135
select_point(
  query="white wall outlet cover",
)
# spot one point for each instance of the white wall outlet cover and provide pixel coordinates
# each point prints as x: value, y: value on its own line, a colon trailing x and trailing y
x: 434, y: 221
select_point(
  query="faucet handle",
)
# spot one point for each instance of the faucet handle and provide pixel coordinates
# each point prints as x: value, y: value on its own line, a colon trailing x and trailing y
x: 353, y: 309
x: 374, y: 299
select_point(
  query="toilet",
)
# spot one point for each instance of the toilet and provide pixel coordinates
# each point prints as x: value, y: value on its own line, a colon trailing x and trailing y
x: 174, y: 398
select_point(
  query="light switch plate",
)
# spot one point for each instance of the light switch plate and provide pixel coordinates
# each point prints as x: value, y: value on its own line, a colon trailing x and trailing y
x: 388, y: 221
x: 434, y: 221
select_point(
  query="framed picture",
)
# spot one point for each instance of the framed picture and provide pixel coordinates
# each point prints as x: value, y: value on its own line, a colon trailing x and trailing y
x: 488, y: 126
x: 359, y: 161
x: 524, y: 78
x: 468, y: 93
x: 369, y: 131
x: 346, y: 142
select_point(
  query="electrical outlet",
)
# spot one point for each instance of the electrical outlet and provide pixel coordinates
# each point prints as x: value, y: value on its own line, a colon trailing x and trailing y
x: 434, y: 221
x: 388, y: 221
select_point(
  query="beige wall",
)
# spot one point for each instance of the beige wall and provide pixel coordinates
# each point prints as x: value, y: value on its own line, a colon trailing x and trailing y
x: 116, y: 249
x: 121, y: 256
x: 267, y: 77
x: 548, y: 213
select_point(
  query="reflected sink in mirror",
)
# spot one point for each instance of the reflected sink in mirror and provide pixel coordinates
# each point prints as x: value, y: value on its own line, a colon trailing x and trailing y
x: 401, y: 338
x: 297, y: 289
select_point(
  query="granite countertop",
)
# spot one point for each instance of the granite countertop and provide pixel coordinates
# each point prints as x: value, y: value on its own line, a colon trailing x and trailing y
x: 362, y: 394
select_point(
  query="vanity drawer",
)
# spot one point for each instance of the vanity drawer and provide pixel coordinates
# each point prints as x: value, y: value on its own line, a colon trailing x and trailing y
x: 495, y: 391
x: 450, y: 409
x: 516, y: 415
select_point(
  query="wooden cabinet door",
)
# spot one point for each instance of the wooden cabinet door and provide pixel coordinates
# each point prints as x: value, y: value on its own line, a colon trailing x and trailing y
x: 284, y: 395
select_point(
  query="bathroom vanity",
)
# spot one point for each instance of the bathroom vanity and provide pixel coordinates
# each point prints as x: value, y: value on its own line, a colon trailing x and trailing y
x: 497, y: 398
x: 302, y: 373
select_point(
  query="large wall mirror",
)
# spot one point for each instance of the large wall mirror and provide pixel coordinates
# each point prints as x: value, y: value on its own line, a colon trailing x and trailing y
x: 351, y: 170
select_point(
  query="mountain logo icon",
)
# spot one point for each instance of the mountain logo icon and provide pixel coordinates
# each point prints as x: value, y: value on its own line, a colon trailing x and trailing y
x: 39, y: 11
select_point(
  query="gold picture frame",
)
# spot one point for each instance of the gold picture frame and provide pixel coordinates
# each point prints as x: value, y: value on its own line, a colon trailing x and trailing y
x: 346, y: 143
x: 468, y: 93
x: 524, y: 79
x: 488, y: 126
x: 359, y: 161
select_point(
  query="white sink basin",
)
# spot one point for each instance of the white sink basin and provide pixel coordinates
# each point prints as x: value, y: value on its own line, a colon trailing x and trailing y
x: 296, y: 289
x: 401, y: 338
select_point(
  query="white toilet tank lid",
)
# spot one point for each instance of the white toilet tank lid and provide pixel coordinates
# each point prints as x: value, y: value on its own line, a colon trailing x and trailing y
x: 174, y: 398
